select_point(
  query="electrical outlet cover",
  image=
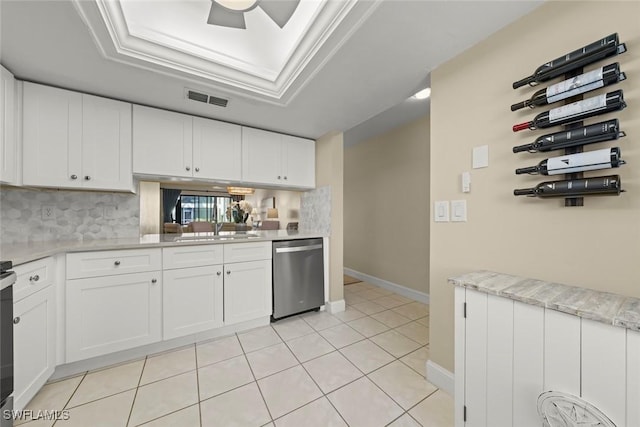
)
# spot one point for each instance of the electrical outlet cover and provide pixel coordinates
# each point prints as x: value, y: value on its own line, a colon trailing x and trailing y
x: 48, y: 213
x: 459, y: 211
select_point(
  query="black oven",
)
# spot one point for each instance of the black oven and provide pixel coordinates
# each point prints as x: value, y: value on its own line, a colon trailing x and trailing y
x: 7, y: 279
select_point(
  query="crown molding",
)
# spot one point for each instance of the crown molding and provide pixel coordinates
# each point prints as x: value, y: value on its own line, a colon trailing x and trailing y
x: 340, y: 19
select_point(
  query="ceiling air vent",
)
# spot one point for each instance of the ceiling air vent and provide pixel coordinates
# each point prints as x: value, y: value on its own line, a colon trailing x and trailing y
x: 207, y: 99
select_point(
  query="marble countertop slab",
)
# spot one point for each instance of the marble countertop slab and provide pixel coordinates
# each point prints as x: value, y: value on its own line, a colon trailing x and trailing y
x: 605, y: 307
x: 26, y: 252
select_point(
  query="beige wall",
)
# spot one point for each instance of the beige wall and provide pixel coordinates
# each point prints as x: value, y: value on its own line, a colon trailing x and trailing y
x: 150, y: 210
x: 287, y: 203
x: 596, y: 246
x: 386, y: 198
x: 330, y: 172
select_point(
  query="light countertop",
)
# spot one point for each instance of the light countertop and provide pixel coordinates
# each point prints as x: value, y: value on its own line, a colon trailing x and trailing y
x: 605, y: 307
x: 21, y: 253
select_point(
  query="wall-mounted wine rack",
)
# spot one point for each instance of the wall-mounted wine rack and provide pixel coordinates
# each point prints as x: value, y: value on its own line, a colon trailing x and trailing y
x: 575, y: 134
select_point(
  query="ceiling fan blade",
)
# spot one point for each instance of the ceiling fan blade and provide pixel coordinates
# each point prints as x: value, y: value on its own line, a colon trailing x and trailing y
x: 279, y: 10
x: 219, y: 15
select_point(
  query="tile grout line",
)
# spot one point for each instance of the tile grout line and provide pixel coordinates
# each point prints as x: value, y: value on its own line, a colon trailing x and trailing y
x: 254, y: 375
x: 133, y: 403
x: 71, y: 396
x: 195, y: 349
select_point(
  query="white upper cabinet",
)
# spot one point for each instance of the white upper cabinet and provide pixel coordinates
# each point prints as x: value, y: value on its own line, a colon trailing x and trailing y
x: 276, y: 159
x: 106, y: 144
x: 8, y: 140
x: 299, y: 161
x: 73, y: 140
x: 162, y: 142
x: 177, y: 145
x: 217, y: 150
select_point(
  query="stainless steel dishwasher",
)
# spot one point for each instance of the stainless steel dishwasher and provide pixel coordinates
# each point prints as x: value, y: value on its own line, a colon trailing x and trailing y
x: 298, y: 276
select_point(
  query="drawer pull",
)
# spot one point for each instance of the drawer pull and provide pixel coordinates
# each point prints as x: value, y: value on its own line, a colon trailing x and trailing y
x: 116, y: 263
x: 154, y: 281
x: 16, y: 320
x: 34, y: 278
x: 219, y: 273
x: 228, y: 272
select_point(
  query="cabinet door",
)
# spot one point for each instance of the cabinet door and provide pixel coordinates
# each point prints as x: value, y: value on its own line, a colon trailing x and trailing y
x: 7, y: 134
x: 299, y: 161
x: 34, y: 344
x: 261, y: 156
x: 112, y: 313
x: 52, y: 137
x: 217, y: 150
x: 162, y: 142
x: 192, y: 300
x: 106, y: 144
x: 247, y: 291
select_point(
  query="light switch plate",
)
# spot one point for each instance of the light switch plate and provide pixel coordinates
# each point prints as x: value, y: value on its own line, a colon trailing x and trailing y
x: 459, y: 211
x: 441, y: 211
x: 466, y: 182
x: 481, y: 157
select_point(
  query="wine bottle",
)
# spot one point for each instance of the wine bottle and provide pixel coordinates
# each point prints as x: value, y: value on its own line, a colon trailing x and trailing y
x: 603, y: 76
x: 597, y: 132
x: 603, y: 48
x: 580, y: 162
x: 574, y: 187
x: 589, y: 107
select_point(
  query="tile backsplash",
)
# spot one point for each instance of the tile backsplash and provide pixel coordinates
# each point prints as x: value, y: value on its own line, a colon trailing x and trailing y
x: 315, y: 210
x: 76, y: 215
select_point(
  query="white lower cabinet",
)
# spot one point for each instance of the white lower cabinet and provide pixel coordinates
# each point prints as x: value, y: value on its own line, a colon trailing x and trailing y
x: 247, y: 291
x: 192, y: 300
x: 112, y: 313
x: 34, y: 343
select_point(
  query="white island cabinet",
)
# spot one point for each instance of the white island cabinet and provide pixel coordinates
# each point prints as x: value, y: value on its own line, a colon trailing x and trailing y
x: 74, y: 140
x: 276, y: 159
x: 34, y: 328
x: 113, y: 302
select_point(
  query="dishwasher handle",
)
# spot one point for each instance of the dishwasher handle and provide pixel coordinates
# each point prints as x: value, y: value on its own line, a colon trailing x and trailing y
x: 298, y: 249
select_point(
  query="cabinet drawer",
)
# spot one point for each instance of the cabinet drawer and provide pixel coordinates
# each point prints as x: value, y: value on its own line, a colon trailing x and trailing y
x: 105, y: 263
x: 32, y: 277
x: 191, y: 256
x: 240, y: 252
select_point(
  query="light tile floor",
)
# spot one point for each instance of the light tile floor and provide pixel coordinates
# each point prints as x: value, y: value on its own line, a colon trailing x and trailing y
x: 362, y: 367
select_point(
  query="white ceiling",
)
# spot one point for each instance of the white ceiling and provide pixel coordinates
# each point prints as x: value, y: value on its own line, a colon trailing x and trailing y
x: 375, y: 59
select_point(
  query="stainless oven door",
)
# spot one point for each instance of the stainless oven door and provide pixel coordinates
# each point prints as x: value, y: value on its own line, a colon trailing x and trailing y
x: 6, y: 343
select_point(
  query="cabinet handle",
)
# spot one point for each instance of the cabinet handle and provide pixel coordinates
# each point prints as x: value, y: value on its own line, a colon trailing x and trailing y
x: 285, y: 177
x: 16, y: 320
x: 154, y: 281
x: 197, y: 169
x: 219, y: 273
x: 188, y: 168
x: 117, y: 263
x: 278, y: 176
x: 87, y: 177
x: 74, y: 176
x: 228, y: 272
x: 34, y: 278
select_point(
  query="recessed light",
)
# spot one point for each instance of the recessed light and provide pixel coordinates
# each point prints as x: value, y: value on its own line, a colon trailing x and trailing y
x: 238, y: 5
x: 423, y: 94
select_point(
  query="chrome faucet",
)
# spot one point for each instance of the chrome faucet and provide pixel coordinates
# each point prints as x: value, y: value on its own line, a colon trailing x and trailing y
x: 218, y: 227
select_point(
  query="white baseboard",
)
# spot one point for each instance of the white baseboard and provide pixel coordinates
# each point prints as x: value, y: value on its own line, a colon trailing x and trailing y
x: 399, y: 289
x: 440, y: 377
x: 335, y: 306
x: 73, y: 368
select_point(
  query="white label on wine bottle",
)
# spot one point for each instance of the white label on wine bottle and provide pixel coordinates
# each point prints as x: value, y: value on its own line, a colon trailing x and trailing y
x: 575, y: 86
x: 591, y: 160
x: 589, y: 104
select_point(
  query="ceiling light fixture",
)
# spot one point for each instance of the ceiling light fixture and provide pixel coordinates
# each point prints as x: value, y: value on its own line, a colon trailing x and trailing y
x: 240, y: 191
x: 423, y: 94
x: 230, y: 13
